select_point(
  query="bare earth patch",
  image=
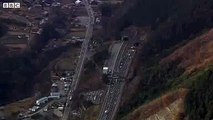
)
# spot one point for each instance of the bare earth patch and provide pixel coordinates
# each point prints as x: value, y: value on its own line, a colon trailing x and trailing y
x: 92, y: 113
x: 167, y: 107
x: 11, y: 110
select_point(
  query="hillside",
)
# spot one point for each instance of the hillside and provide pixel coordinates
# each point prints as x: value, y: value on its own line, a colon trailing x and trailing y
x: 10, y: 111
x: 167, y: 107
x: 176, y: 52
x: 188, y: 67
x: 196, y: 54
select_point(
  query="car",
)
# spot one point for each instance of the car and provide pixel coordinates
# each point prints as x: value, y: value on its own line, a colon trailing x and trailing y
x: 66, y: 89
x: 136, y: 44
x: 67, y: 104
x: 110, y: 71
x: 106, y: 111
x: 66, y: 85
x: 125, y: 38
x: 70, y: 98
x: 120, y: 66
x: 133, y: 50
x: 45, y: 110
x: 132, y: 47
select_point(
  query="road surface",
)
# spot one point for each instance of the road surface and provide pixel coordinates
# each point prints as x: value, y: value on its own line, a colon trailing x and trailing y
x: 83, y: 54
x: 120, y: 71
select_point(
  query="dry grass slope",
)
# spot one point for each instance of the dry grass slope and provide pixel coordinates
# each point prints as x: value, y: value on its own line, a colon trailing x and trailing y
x: 11, y: 111
x: 167, y: 107
x: 92, y: 113
x: 196, y: 54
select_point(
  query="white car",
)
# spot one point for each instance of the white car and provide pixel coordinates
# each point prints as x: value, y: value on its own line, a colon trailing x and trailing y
x: 133, y: 50
x: 132, y: 47
x: 106, y: 111
x: 45, y: 109
x: 120, y: 66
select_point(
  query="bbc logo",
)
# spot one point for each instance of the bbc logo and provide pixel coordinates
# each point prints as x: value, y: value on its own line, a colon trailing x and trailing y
x: 11, y: 5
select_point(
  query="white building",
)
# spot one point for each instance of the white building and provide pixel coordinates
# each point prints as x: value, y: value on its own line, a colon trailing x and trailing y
x: 42, y: 100
x: 54, y: 85
x: 77, y: 2
x: 55, y: 94
x: 105, y: 70
x: 34, y: 108
x: 63, y: 78
x: 53, y: 97
x: 60, y: 108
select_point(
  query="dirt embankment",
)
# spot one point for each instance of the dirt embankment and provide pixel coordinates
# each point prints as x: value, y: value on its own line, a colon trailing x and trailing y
x: 11, y: 111
x: 196, y: 54
x: 167, y: 107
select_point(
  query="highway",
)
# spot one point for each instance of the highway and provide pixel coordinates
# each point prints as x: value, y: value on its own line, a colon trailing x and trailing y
x: 81, y: 61
x: 111, y: 63
x: 117, y: 78
x: 115, y: 49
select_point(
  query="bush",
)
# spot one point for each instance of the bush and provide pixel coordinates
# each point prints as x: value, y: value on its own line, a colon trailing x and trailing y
x: 3, y: 29
x: 199, y: 101
x: 101, y: 56
x: 156, y: 80
x: 106, y: 10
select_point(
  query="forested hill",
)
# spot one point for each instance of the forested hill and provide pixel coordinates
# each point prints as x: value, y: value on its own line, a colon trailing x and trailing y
x: 176, y: 53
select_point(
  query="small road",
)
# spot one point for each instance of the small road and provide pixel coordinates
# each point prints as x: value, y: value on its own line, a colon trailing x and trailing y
x: 40, y: 110
x: 79, y: 67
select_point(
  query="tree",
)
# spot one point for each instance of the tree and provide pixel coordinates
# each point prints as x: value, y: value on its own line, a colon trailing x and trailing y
x: 99, y: 57
x: 3, y: 29
x: 106, y: 10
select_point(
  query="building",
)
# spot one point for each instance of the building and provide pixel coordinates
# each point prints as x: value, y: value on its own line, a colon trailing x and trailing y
x: 105, y: 70
x: 60, y: 108
x: 58, y: 113
x: 54, y: 88
x: 41, y: 100
x: 77, y: 2
x: 34, y: 108
x: 53, y: 97
x: 54, y: 85
x: 55, y: 94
